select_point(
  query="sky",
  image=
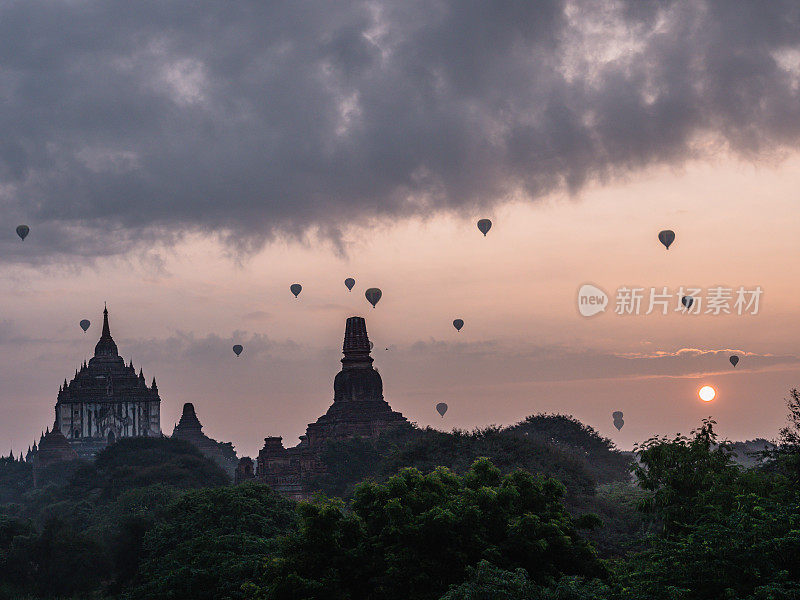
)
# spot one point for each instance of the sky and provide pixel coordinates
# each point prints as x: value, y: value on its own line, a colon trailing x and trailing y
x: 186, y: 162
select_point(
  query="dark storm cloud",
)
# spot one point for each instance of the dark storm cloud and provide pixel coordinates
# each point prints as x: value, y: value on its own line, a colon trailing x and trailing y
x: 186, y: 347
x: 122, y: 122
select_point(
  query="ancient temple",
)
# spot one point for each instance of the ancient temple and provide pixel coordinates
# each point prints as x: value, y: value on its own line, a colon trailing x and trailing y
x: 106, y: 401
x: 190, y: 429
x: 244, y: 470
x: 358, y: 409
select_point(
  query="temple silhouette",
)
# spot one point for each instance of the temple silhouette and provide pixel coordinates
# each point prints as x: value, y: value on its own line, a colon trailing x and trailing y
x: 107, y: 401
x: 358, y: 409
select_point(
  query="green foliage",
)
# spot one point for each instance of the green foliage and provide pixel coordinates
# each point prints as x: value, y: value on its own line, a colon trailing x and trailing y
x: 211, y: 542
x: 566, y: 433
x: 488, y: 582
x: 555, y: 445
x: 14, y: 571
x: 139, y: 462
x: 54, y: 560
x: 682, y: 471
x: 625, y: 528
x: 153, y: 518
x: 60, y: 473
x: 787, y: 456
x: 88, y: 522
x: 416, y: 534
x: 16, y: 478
x: 728, y: 533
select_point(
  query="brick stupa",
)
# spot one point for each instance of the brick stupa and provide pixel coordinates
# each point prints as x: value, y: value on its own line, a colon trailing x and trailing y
x: 358, y: 410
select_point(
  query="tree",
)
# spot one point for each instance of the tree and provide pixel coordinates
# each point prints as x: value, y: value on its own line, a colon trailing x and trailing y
x: 787, y: 454
x: 554, y: 445
x: 89, y: 522
x: 679, y: 470
x: 416, y: 534
x: 16, y: 478
x: 211, y: 542
x: 729, y: 534
x: 488, y: 582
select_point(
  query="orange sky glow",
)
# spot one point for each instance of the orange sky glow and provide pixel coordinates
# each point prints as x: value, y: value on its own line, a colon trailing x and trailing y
x: 176, y: 310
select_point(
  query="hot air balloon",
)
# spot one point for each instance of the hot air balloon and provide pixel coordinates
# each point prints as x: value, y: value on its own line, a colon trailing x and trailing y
x: 618, y: 422
x: 458, y: 324
x: 687, y: 301
x: 666, y: 237
x: 441, y: 408
x: 373, y: 295
x: 85, y: 324
x: 734, y: 360
x: 350, y: 282
x: 296, y: 288
x: 484, y: 225
x: 23, y: 231
x: 237, y: 349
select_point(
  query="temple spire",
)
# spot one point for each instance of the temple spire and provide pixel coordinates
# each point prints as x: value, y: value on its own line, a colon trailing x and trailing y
x: 106, y: 346
x: 356, y: 344
x: 106, y: 328
x: 188, y: 420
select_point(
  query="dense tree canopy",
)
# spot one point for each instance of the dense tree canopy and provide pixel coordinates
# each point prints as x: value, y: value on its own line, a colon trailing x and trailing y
x: 492, y: 514
x: 416, y: 534
x: 556, y: 445
x: 211, y: 542
x: 84, y: 527
x: 16, y: 478
x: 728, y: 533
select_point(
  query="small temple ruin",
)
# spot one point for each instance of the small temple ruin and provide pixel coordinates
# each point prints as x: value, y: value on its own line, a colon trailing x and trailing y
x: 190, y: 429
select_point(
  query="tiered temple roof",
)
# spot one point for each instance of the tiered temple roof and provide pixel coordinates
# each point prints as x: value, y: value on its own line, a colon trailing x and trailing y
x: 106, y: 401
x: 106, y: 378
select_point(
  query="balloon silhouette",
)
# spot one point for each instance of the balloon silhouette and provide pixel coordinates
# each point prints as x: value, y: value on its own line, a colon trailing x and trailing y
x: 734, y: 360
x: 350, y: 282
x: 618, y: 422
x: 85, y: 324
x: 687, y: 301
x: 296, y: 288
x: 458, y: 324
x: 617, y: 414
x: 666, y: 237
x: 373, y: 295
x: 23, y: 231
x: 441, y: 408
x: 484, y: 225
x: 237, y: 349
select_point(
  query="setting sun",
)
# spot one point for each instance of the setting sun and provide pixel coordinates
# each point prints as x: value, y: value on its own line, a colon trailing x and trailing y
x: 707, y: 393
